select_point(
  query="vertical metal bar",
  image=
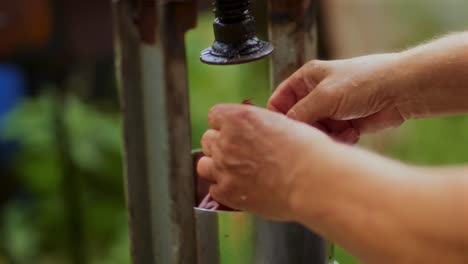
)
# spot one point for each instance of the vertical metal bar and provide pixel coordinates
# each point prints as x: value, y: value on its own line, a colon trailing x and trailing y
x: 293, y: 32
x: 152, y: 74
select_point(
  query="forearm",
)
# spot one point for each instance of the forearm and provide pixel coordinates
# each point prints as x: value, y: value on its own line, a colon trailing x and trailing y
x: 434, y: 78
x: 386, y: 212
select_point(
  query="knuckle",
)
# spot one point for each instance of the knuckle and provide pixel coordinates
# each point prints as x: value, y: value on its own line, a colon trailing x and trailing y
x: 225, y: 143
x: 226, y: 186
x: 333, y: 98
x: 327, y: 92
x: 231, y: 148
x: 299, y: 109
x: 313, y: 73
x: 205, y: 140
x: 313, y: 64
x: 246, y: 116
x: 229, y: 144
x: 212, y: 111
x: 229, y: 161
x: 242, y: 113
x: 317, y: 66
x: 211, y: 114
x: 217, y: 193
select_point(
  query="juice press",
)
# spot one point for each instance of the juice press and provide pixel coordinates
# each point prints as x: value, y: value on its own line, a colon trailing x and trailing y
x: 165, y: 224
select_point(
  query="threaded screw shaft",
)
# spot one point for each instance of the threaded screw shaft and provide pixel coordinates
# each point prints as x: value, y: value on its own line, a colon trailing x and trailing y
x: 232, y: 11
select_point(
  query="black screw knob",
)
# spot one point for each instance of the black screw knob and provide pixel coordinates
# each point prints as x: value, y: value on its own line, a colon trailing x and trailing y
x: 235, y: 36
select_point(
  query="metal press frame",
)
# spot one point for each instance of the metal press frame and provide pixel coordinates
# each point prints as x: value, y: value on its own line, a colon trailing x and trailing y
x: 152, y: 77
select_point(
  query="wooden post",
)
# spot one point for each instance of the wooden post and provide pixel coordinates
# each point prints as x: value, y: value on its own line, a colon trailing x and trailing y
x: 152, y: 76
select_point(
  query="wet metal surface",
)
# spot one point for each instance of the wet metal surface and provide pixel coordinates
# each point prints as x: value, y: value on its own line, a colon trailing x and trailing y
x: 293, y: 32
x: 239, y: 237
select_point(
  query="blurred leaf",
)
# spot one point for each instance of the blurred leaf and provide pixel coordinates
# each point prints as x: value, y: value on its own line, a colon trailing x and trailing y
x: 20, y: 238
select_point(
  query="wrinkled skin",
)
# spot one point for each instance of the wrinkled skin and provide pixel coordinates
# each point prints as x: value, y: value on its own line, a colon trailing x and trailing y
x: 208, y: 203
x: 380, y: 210
x: 242, y: 152
x: 248, y: 142
x: 343, y: 98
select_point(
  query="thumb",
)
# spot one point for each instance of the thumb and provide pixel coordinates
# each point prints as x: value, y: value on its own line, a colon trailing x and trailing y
x: 314, y: 107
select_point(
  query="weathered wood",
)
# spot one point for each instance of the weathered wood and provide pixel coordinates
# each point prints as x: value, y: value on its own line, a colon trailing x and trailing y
x: 154, y: 96
x: 293, y: 32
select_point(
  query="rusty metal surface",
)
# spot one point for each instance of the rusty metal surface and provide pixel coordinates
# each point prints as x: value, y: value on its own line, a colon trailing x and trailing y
x: 150, y: 62
x: 293, y: 32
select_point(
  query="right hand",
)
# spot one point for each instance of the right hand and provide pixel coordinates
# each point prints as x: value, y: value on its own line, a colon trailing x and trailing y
x: 344, y: 98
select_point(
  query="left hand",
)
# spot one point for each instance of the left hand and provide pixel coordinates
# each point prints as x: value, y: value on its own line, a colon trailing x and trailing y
x: 254, y: 157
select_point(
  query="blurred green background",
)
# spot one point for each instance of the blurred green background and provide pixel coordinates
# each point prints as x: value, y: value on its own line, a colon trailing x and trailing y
x: 61, y: 191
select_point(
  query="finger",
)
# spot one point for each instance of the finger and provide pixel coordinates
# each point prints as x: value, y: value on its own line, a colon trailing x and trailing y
x: 220, y: 196
x: 314, y: 107
x: 379, y: 121
x: 350, y: 136
x: 296, y: 87
x: 336, y: 127
x: 320, y: 126
x: 217, y: 116
x: 227, y: 199
x: 286, y: 94
x: 208, y: 140
x: 205, y: 169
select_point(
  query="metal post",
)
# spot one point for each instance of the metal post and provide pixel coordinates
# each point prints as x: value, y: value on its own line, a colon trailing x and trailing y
x: 150, y: 59
x: 293, y: 32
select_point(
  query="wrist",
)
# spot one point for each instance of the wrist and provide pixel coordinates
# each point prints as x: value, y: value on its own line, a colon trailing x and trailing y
x: 354, y: 200
x: 343, y: 182
x: 409, y: 90
x: 317, y: 179
x: 434, y: 78
x: 398, y: 85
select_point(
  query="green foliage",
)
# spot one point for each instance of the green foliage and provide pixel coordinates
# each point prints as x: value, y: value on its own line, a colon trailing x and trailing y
x: 37, y: 227
x: 342, y: 257
x: 438, y: 141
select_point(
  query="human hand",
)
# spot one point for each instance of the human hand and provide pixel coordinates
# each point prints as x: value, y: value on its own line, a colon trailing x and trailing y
x: 344, y: 98
x: 254, y: 157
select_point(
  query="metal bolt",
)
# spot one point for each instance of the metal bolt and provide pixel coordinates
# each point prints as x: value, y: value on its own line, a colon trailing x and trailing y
x: 235, y: 36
